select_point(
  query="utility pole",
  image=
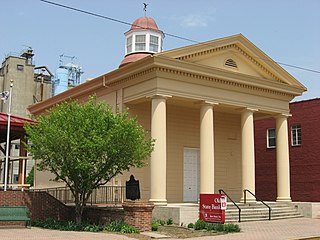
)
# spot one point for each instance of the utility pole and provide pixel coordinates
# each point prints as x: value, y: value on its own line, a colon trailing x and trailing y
x: 8, y: 138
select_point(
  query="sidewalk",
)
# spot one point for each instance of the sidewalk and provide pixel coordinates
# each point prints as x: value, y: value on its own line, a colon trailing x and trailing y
x: 297, y: 228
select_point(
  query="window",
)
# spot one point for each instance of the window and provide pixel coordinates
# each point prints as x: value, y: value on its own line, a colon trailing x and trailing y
x: 296, y: 135
x: 129, y: 44
x: 271, y: 137
x: 154, y: 45
x: 140, y: 43
x: 20, y: 67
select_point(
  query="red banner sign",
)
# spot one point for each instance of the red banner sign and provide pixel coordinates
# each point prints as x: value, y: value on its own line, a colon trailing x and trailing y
x: 212, y: 207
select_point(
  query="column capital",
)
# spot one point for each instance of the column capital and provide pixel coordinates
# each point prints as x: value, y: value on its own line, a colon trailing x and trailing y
x: 207, y: 103
x: 248, y: 109
x: 158, y: 96
x: 283, y: 115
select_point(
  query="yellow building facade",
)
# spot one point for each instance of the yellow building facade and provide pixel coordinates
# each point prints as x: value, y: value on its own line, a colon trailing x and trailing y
x: 199, y: 103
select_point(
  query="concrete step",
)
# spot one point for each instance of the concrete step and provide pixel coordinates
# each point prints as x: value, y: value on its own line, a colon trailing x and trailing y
x: 182, y: 214
x: 258, y: 212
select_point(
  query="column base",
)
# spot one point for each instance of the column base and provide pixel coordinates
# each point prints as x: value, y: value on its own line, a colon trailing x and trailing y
x: 159, y: 202
x: 283, y: 199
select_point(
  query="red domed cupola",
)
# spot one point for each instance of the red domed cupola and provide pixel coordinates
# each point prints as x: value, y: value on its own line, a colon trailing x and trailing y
x: 143, y: 39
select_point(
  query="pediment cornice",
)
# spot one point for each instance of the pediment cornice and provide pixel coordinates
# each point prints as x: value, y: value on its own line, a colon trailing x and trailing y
x: 235, y: 47
x: 218, y: 78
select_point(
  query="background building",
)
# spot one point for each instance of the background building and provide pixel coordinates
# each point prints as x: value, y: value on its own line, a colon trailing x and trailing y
x: 303, y: 137
x: 31, y: 84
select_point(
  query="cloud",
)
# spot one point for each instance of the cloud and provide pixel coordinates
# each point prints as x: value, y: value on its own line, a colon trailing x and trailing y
x: 195, y: 20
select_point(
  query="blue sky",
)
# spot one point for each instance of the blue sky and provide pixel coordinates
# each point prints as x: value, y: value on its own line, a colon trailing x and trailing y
x: 286, y: 30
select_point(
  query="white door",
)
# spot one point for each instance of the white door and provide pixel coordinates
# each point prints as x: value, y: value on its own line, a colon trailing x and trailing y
x: 191, y: 174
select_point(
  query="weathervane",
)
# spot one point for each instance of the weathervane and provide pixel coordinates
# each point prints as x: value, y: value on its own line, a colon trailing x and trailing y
x: 145, y: 9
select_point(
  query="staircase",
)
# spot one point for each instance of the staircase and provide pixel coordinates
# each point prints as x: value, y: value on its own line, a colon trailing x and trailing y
x: 258, y: 211
x: 184, y: 213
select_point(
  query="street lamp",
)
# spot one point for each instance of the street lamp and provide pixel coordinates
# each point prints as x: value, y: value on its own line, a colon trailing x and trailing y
x: 8, y: 138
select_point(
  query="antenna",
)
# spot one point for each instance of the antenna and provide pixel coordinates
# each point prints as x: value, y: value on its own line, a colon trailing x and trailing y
x: 145, y: 8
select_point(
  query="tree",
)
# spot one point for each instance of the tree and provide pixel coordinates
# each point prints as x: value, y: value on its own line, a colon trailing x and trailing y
x: 86, y: 145
x: 30, y: 177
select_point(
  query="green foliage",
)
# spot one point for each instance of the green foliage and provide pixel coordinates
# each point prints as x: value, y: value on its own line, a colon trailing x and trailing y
x: 51, y: 223
x: 129, y: 229
x: 210, y: 226
x: 86, y: 145
x: 162, y: 222
x: 218, y: 227
x: 154, y: 226
x: 199, y: 225
x: 190, y: 225
x: 169, y: 221
x: 231, y: 227
x: 30, y: 177
x: 120, y: 226
x: 114, y: 226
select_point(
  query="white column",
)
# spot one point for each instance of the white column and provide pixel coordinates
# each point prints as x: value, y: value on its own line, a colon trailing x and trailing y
x: 158, y: 162
x: 283, y: 165
x: 247, y: 154
x: 206, y: 149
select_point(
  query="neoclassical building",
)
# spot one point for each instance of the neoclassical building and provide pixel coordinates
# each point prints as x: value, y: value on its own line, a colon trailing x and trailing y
x: 199, y: 103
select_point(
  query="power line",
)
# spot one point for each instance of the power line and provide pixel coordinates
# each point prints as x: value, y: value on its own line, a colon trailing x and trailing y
x: 112, y: 19
x: 167, y: 34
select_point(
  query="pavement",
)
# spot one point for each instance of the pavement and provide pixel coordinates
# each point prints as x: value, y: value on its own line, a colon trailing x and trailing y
x: 292, y: 229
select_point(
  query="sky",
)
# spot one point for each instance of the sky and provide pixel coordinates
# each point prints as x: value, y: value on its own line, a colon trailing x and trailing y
x: 288, y: 31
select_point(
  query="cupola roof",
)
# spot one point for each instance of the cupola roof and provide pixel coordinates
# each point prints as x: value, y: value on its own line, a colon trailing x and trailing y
x: 144, y: 23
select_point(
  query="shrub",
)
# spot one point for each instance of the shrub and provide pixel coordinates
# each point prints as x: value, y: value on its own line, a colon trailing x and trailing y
x: 154, y: 226
x: 114, y: 226
x: 219, y: 227
x: 162, y: 222
x: 169, y: 221
x: 120, y: 226
x: 231, y: 227
x: 199, y: 225
x: 128, y: 229
x: 51, y: 223
x: 190, y: 225
x: 210, y: 226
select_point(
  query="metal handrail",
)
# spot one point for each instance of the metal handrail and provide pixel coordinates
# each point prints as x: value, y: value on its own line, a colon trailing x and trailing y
x: 102, y: 195
x: 221, y: 190
x: 245, y: 200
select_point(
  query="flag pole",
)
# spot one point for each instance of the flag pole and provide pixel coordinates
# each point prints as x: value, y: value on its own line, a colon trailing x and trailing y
x: 8, y: 139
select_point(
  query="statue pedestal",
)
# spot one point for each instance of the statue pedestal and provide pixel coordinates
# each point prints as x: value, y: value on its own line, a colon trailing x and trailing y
x: 138, y: 214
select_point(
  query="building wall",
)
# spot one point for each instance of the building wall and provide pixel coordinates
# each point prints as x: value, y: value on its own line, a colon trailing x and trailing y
x: 183, y: 131
x: 304, y: 159
x: 228, y: 154
x: 22, y: 91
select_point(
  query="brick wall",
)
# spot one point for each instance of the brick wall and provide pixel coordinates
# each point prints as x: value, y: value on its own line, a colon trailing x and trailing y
x: 304, y: 159
x: 42, y: 205
x: 266, y: 174
x: 103, y: 215
x: 138, y: 214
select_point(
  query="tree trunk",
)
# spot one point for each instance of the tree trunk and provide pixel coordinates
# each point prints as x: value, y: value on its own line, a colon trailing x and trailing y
x: 78, y: 213
x: 78, y: 210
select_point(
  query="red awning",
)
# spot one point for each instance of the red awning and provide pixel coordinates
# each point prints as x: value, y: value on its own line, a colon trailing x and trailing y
x: 14, y: 120
x: 16, y: 126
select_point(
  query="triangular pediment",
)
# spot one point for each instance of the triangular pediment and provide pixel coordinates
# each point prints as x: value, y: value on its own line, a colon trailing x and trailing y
x: 234, y: 54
